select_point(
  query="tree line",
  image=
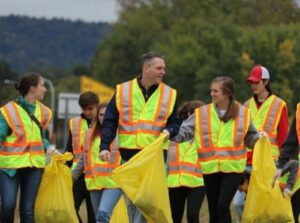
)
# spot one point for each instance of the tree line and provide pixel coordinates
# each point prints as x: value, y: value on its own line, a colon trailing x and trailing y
x: 205, y: 39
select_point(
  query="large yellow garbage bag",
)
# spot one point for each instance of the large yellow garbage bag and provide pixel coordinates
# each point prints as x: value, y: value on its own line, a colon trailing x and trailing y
x: 265, y: 204
x: 54, y: 203
x: 120, y: 213
x: 143, y: 180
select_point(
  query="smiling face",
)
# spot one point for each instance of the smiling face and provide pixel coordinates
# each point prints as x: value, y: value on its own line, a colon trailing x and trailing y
x: 38, y: 91
x: 154, y: 71
x: 217, y: 95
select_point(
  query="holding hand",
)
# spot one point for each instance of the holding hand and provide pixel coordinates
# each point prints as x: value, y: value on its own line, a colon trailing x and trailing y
x: 276, y: 176
x: 51, y: 150
x: 105, y: 155
x: 166, y: 132
x: 262, y: 134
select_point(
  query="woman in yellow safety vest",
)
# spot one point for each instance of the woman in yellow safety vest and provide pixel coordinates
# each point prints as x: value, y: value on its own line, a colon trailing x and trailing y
x: 221, y: 131
x: 96, y: 172
x: 290, y: 150
x: 23, y: 124
x: 184, y: 179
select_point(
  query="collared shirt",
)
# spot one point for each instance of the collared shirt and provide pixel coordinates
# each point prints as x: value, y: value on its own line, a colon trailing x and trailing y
x: 111, y: 122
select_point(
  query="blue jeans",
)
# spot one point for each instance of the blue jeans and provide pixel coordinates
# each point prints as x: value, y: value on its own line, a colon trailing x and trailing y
x: 134, y: 214
x: 29, y: 180
x: 109, y: 199
x: 95, y: 199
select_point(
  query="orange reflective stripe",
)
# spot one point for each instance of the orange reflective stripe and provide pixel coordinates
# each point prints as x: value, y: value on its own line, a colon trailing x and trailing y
x: 185, y: 168
x: 298, y: 123
x: 272, y: 115
x: 125, y: 106
x: 45, y: 115
x: 240, y: 126
x: 173, y: 153
x: 164, y: 104
x: 17, y: 125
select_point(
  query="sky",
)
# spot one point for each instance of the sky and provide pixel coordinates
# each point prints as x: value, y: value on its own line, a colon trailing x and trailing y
x: 86, y: 10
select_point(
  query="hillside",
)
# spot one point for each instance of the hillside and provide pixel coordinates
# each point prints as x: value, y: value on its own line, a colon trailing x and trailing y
x: 29, y: 42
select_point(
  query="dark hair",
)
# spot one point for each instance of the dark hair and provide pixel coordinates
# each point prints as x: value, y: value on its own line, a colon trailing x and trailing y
x: 188, y: 108
x: 98, y: 125
x: 147, y: 57
x: 26, y: 82
x: 88, y: 98
x: 268, y: 86
x: 228, y: 88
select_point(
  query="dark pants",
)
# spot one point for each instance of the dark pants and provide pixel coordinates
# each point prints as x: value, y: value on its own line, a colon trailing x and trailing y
x: 29, y: 180
x: 80, y: 193
x: 220, y: 189
x: 296, y: 205
x: 193, y: 196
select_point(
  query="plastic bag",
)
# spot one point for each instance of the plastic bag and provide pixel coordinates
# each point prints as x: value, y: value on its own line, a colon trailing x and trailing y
x: 54, y: 202
x: 265, y: 204
x: 143, y: 179
x: 120, y: 213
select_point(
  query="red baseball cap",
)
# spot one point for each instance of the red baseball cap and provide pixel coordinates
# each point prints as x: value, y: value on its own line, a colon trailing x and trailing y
x: 258, y: 73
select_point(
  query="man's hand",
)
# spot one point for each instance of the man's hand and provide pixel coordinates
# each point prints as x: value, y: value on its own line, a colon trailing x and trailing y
x: 276, y: 176
x: 287, y: 192
x: 262, y: 134
x: 105, y: 155
x: 166, y: 132
x: 51, y: 150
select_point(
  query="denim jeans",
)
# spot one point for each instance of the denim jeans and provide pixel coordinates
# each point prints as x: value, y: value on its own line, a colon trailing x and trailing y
x: 29, y: 180
x: 134, y: 214
x: 95, y: 199
x: 109, y: 199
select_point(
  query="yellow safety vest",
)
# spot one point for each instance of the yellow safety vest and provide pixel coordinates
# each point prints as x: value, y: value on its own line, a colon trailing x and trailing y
x: 24, y: 146
x: 221, y: 144
x: 183, y: 166
x: 78, y: 128
x: 266, y: 118
x: 97, y: 173
x: 140, y: 122
x: 297, y: 184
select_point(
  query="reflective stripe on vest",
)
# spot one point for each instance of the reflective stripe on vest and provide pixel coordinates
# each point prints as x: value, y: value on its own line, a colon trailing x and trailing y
x: 24, y: 146
x: 221, y: 144
x: 78, y: 127
x: 97, y: 172
x: 266, y: 118
x: 141, y: 122
x: 183, y: 166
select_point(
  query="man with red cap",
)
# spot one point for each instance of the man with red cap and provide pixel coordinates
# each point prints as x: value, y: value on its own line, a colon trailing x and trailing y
x: 268, y: 113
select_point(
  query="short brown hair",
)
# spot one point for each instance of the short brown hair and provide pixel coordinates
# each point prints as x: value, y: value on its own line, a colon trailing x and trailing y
x: 188, y: 108
x: 88, y: 98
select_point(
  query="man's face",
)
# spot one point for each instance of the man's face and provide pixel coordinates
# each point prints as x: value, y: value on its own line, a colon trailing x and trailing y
x: 258, y: 87
x: 90, y: 111
x: 154, y: 70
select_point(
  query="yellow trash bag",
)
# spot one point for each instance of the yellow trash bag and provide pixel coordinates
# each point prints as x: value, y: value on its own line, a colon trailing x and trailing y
x: 120, y: 212
x: 143, y: 180
x: 265, y: 204
x: 54, y: 202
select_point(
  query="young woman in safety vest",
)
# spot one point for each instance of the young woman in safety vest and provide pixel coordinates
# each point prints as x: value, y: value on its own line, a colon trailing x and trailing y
x: 221, y: 131
x: 290, y: 150
x: 96, y: 172
x: 23, y: 124
x: 184, y: 179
